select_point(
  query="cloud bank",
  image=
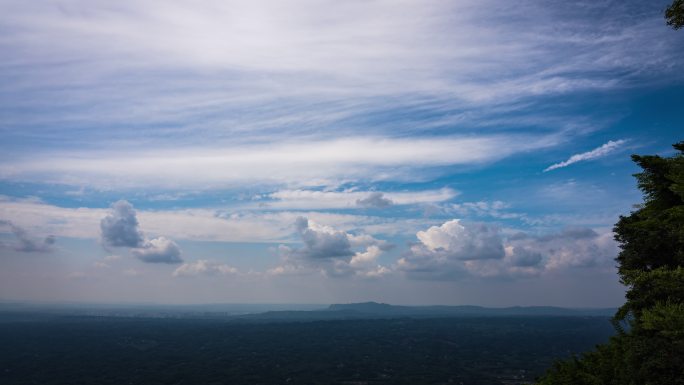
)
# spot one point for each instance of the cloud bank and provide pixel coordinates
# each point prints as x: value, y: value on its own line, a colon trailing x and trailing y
x: 456, y: 250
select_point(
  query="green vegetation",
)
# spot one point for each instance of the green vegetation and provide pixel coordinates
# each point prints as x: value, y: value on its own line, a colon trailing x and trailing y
x: 72, y: 350
x: 674, y: 14
x: 649, y: 346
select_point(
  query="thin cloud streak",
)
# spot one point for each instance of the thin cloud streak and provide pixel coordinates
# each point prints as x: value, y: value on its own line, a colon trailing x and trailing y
x: 596, y: 153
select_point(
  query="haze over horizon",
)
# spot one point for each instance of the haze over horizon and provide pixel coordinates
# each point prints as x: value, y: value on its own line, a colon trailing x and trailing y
x: 300, y: 151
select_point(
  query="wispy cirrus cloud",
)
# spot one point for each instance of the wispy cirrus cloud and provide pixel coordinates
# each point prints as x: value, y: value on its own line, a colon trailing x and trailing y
x: 596, y: 153
x: 434, y: 47
x: 165, y: 71
x: 352, y: 199
x: 306, y: 162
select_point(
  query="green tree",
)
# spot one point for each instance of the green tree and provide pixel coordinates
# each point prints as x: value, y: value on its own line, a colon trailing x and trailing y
x: 649, y: 345
x: 674, y: 14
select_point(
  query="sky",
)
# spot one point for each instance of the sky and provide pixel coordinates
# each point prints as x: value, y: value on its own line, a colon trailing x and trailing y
x: 319, y: 151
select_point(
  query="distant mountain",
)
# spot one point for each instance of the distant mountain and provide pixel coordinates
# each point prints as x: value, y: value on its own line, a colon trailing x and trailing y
x: 297, y: 313
x: 386, y: 309
x: 374, y: 310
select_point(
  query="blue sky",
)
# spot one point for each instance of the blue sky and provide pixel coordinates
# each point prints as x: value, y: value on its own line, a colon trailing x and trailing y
x: 422, y: 152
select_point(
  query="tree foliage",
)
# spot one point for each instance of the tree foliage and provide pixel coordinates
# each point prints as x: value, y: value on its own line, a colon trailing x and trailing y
x: 649, y: 346
x: 674, y: 14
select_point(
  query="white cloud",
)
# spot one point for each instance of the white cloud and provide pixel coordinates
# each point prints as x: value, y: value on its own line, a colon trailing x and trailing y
x: 45, y: 219
x: 204, y: 267
x: 223, y: 225
x: 28, y: 243
x: 453, y: 250
x: 345, y: 48
x: 316, y: 200
x: 473, y: 241
x: 444, y: 252
x: 158, y: 250
x: 333, y: 74
x: 301, y: 163
x: 494, y: 209
x: 331, y: 252
x: 376, y: 200
x: 120, y: 227
x: 596, y: 153
x: 575, y: 247
x: 322, y: 242
x: 367, y: 257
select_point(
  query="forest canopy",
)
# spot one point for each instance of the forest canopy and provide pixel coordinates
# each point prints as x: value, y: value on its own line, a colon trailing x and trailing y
x: 674, y: 14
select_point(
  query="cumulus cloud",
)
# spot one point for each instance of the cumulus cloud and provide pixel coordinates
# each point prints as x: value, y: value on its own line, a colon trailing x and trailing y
x: 159, y: 250
x: 203, y: 267
x: 443, y: 251
x: 322, y: 241
x: 456, y: 241
x: 27, y: 243
x: 574, y: 247
x: 332, y: 252
x: 599, y: 152
x: 455, y: 250
x: 375, y: 200
x: 120, y: 227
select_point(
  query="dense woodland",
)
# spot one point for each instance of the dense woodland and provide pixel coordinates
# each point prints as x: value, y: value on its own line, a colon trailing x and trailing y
x: 57, y: 349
